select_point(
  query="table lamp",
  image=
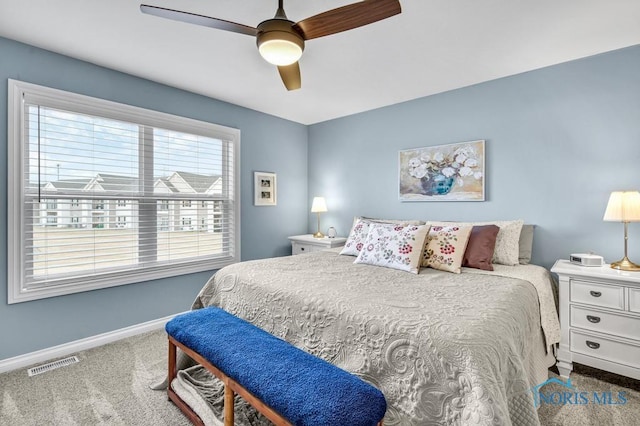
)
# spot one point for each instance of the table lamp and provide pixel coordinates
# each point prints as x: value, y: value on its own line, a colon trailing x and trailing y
x: 624, y: 206
x: 319, y: 205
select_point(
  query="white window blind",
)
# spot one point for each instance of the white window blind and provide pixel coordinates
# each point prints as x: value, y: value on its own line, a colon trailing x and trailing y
x: 107, y: 194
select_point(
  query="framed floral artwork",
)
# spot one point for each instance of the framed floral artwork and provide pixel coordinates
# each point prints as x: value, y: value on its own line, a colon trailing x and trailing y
x: 264, y: 189
x: 453, y: 172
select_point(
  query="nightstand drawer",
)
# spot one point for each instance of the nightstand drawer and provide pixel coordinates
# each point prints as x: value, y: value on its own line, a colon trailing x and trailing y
x: 604, y: 322
x: 297, y: 248
x: 608, y: 296
x: 620, y: 352
x: 634, y: 300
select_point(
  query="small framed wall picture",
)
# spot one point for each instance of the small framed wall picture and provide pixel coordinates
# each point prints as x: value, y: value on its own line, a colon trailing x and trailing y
x: 264, y: 188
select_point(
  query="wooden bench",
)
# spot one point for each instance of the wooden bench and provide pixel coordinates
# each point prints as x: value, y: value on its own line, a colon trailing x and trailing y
x: 285, y: 384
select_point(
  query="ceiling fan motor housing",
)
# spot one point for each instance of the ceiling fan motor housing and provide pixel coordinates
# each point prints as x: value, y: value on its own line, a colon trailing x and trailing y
x: 278, y: 42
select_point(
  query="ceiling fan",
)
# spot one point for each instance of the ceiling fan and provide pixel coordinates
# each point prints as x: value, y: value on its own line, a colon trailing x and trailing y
x: 281, y: 41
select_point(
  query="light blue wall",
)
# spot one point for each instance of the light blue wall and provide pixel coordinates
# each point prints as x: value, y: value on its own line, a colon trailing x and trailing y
x: 268, y: 144
x: 558, y: 140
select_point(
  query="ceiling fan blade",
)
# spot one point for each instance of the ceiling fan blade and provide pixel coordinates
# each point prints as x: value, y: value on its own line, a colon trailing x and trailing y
x: 290, y: 75
x: 347, y: 17
x: 192, y: 18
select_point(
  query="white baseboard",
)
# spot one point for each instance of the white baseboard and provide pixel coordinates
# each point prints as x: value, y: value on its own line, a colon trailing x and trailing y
x: 65, y: 349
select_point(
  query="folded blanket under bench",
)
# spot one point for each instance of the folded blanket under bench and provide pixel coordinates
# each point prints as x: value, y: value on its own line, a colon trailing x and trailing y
x: 301, y: 388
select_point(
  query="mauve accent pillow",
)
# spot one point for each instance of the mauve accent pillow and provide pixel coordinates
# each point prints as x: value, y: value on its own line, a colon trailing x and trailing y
x: 480, y: 247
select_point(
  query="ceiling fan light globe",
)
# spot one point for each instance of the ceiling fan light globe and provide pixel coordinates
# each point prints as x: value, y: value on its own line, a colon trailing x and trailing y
x: 280, y: 52
x: 278, y: 43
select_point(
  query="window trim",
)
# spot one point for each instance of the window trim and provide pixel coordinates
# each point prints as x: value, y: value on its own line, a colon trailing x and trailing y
x: 15, y: 184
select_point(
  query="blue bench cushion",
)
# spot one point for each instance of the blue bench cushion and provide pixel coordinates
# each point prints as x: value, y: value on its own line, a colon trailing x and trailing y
x: 304, y: 389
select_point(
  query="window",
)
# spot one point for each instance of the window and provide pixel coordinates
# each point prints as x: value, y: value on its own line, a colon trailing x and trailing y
x: 163, y: 225
x: 217, y: 216
x: 52, y: 219
x: 98, y: 223
x: 120, y: 168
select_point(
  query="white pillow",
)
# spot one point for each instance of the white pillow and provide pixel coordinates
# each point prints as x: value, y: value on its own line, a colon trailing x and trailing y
x: 360, y: 229
x: 507, y: 247
x: 394, y: 246
x: 356, y: 238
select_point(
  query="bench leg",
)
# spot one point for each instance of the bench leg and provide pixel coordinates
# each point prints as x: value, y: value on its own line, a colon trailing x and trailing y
x: 228, y: 405
x: 172, y: 373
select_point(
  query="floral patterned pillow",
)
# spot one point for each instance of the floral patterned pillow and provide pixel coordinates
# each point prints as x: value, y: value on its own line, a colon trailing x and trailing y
x: 360, y: 230
x: 394, y: 246
x: 445, y: 247
x: 356, y: 238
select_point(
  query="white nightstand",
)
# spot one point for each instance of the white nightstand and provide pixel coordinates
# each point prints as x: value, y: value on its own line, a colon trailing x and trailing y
x: 301, y: 244
x: 599, y: 318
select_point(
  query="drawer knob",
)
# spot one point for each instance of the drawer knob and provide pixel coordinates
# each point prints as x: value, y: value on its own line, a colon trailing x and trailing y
x: 596, y: 293
x: 301, y: 248
x: 593, y: 345
x: 593, y: 319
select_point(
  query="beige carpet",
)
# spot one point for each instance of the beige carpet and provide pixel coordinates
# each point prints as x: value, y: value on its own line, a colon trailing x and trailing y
x: 110, y: 386
x: 588, y: 411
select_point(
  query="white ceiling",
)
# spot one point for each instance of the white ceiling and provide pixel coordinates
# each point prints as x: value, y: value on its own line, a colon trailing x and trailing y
x: 431, y: 47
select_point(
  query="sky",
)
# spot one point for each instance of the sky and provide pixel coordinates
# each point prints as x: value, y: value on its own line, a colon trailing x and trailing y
x: 73, y: 146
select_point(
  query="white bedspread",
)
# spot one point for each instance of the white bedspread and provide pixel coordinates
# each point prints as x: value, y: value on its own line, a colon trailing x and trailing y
x: 444, y: 348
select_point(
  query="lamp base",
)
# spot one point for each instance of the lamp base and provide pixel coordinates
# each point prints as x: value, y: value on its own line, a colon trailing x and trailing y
x: 625, y: 265
x: 318, y: 235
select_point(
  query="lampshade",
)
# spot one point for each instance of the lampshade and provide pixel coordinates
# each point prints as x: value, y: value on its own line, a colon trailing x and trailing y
x: 319, y: 205
x: 623, y: 206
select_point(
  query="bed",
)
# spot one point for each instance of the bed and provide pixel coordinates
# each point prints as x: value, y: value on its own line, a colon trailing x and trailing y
x: 444, y: 348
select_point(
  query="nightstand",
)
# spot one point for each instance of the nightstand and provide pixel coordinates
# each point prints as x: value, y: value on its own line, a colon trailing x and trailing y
x: 301, y: 244
x: 599, y: 318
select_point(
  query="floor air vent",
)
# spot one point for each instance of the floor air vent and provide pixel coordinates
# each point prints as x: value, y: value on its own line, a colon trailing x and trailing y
x: 52, y: 365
